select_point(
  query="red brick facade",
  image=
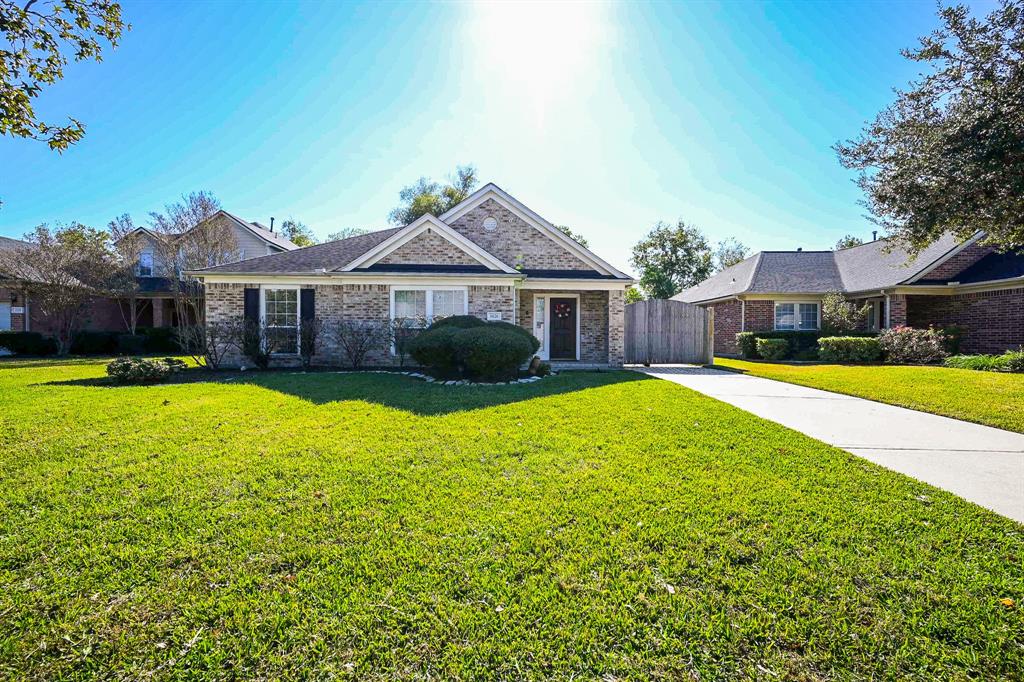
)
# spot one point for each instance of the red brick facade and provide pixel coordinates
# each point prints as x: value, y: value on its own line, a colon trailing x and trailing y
x: 960, y: 262
x: 993, y: 320
x: 728, y: 323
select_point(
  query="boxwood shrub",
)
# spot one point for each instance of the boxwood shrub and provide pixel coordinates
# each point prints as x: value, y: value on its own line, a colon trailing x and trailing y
x: 849, y: 349
x: 470, y: 347
x: 772, y: 349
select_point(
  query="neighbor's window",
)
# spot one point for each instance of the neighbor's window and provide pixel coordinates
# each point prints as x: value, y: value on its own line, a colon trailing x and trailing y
x: 281, y: 317
x: 146, y: 264
x: 796, y: 316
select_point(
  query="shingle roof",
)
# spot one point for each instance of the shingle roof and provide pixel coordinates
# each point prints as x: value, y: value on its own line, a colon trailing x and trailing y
x: 860, y: 268
x: 329, y: 256
x: 8, y: 243
x: 263, y: 233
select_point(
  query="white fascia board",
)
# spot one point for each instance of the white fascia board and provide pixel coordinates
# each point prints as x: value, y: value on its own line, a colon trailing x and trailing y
x: 418, y: 227
x: 507, y: 201
x: 561, y: 284
x: 499, y: 279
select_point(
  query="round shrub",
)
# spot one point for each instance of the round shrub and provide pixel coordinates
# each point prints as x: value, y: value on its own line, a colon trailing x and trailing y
x: 772, y: 349
x: 492, y: 352
x: 849, y: 349
x: 906, y: 345
x: 533, y: 340
x: 435, y: 348
x: 459, y: 321
x: 137, y: 371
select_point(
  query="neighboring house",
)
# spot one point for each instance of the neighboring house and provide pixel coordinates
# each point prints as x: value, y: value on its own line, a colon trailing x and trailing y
x: 156, y: 282
x: 490, y: 256
x: 948, y: 283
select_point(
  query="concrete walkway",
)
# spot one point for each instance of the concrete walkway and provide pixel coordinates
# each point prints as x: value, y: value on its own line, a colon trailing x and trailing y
x: 979, y: 463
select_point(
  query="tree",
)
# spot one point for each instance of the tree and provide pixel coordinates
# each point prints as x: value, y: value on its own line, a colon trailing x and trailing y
x: 128, y: 245
x: 578, y: 238
x: 671, y: 259
x: 839, y: 316
x: 189, y: 239
x: 62, y: 270
x: 38, y: 40
x: 848, y: 241
x: 427, y: 196
x: 948, y: 154
x: 729, y: 252
x: 345, y: 233
x: 297, y: 233
x: 634, y: 295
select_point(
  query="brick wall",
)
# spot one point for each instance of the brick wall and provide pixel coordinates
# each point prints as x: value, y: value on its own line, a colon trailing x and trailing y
x: 429, y: 247
x: 728, y: 323
x: 515, y: 242
x: 898, y: 311
x: 616, y: 327
x: 759, y: 316
x: 960, y: 262
x: 484, y: 299
x: 993, y: 320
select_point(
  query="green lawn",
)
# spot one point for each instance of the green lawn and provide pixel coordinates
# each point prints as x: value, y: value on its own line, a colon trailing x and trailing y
x: 992, y: 398
x: 589, y: 526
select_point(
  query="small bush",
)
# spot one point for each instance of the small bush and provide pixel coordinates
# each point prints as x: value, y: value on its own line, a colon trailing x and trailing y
x: 516, y: 329
x: 174, y: 364
x: 543, y: 369
x: 849, y: 349
x: 131, y: 344
x: 801, y: 343
x: 772, y: 349
x: 491, y: 352
x: 459, y: 321
x: 95, y: 343
x: 138, y: 371
x: 952, y: 337
x: 435, y: 348
x: 906, y: 345
x: 28, y: 343
x: 1010, y: 361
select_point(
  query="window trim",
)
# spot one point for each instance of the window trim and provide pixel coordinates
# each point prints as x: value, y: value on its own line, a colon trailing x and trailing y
x: 298, y: 312
x: 796, y: 315
x: 430, y: 289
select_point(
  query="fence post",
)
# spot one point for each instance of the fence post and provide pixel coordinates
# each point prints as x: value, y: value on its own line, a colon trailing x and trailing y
x: 709, y: 341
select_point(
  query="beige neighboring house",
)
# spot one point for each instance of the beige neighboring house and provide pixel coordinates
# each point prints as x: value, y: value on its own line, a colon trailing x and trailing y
x: 489, y: 256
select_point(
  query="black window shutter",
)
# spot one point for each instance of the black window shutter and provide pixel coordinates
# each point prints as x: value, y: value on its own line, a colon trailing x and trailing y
x: 252, y: 305
x: 307, y: 304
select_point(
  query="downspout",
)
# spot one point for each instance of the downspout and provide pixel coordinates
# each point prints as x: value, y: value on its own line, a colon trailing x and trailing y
x: 743, y: 314
x: 888, y: 310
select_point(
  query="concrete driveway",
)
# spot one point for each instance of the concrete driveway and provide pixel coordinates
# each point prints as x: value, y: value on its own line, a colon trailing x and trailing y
x: 979, y: 463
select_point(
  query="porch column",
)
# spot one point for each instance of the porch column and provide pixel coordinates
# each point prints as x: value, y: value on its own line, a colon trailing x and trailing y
x: 897, y: 310
x: 158, y: 312
x: 616, y: 327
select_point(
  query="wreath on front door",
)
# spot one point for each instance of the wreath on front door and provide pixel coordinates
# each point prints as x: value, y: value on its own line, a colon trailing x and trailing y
x: 562, y: 310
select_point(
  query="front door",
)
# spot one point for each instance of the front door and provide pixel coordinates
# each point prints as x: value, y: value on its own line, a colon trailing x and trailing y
x: 563, y: 328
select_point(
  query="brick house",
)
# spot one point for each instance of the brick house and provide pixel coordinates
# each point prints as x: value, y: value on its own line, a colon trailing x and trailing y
x: 949, y: 283
x: 489, y: 256
x: 156, y: 282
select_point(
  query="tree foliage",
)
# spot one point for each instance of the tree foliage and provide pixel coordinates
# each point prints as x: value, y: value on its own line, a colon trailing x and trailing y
x: 848, y: 241
x: 671, y: 259
x: 297, y: 233
x: 576, y: 237
x: 128, y: 244
x: 345, y: 233
x: 427, y: 196
x: 839, y: 315
x: 948, y: 154
x: 38, y: 40
x: 729, y: 252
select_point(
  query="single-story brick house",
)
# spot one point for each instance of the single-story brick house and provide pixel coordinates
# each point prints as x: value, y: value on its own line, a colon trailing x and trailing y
x: 949, y: 283
x: 489, y: 256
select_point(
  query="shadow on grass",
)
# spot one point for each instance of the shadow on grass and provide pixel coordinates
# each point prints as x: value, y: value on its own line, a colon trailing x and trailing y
x: 388, y: 389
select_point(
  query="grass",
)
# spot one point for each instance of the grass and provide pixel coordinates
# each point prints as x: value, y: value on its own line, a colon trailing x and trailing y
x: 994, y: 399
x: 591, y: 525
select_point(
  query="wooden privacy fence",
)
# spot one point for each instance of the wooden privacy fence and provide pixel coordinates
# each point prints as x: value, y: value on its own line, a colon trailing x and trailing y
x: 668, y: 332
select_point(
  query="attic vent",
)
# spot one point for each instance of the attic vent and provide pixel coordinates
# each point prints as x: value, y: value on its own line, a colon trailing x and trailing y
x: 490, y: 223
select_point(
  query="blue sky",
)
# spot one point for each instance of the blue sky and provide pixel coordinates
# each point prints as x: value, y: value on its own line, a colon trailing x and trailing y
x: 604, y: 117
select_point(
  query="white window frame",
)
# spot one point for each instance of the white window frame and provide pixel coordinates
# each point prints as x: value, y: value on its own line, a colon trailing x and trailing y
x: 544, y: 335
x: 298, y: 311
x: 152, y: 265
x: 796, y: 316
x: 429, y: 289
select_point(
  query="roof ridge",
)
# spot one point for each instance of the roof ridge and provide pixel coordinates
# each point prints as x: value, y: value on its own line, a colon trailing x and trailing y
x: 753, y: 273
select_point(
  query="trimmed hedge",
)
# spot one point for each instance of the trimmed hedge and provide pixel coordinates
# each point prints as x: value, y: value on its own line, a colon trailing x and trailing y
x: 849, y: 349
x: 28, y: 343
x: 468, y: 346
x: 773, y: 349
x: 798, y: 342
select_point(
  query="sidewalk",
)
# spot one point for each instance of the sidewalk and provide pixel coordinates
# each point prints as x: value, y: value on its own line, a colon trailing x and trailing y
x: 979, y: 463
